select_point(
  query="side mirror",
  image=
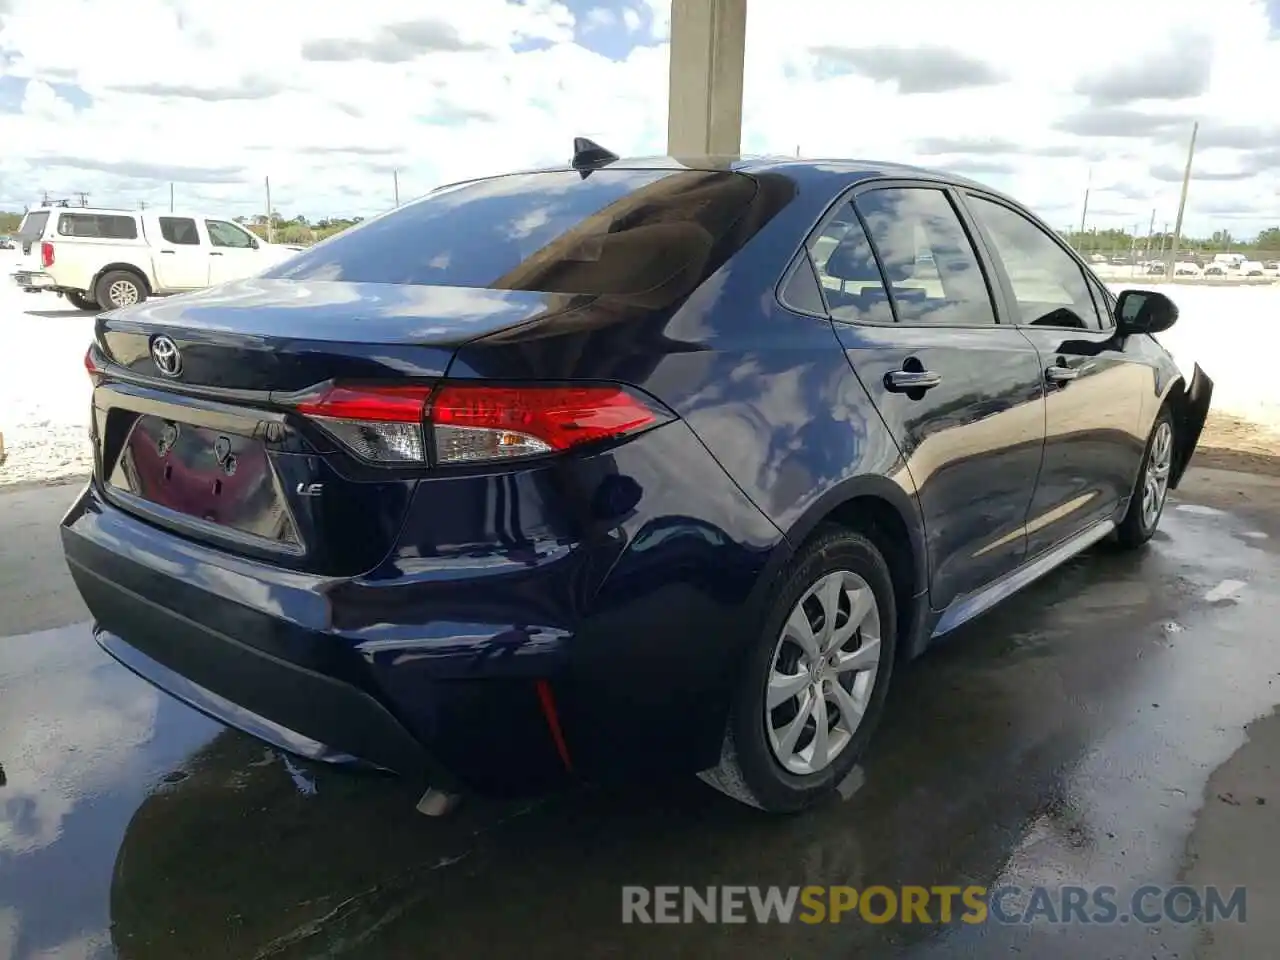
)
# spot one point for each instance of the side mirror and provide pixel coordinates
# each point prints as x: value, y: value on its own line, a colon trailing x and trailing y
x: 1144, y: 311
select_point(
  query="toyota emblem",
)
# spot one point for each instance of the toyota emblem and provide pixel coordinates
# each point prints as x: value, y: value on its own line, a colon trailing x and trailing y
x: 164, y: 352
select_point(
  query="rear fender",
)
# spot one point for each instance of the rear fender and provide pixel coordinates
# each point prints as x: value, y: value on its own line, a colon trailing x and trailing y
x: 1189, y: 413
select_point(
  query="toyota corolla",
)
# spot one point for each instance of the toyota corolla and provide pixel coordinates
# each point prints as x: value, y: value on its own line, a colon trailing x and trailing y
x: 622, y: 469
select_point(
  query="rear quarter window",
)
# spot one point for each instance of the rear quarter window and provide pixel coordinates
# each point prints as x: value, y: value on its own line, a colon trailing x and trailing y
x: 97, y: 225
x: 33, y: 225
x: 615, y: 232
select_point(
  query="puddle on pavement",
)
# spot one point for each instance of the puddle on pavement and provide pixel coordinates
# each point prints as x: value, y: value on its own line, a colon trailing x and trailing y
x: 1066, y: 736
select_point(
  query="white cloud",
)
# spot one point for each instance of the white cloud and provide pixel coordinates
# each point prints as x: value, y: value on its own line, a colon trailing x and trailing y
x: 328, y: 99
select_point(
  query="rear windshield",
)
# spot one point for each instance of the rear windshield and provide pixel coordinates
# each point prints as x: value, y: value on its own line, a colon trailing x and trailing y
x: 623, y: 232
x: 103, y: 225
x: 33, y: 226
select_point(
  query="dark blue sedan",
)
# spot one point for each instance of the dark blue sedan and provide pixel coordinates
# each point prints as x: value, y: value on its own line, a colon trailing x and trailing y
x: 622, y: 469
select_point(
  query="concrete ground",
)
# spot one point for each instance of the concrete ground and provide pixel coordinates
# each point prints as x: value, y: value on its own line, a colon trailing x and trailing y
x: 1091, y: 730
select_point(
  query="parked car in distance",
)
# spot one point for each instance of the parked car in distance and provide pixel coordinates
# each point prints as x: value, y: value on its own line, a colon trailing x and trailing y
x: 1217, y: 269
x: 1155, y: 268
x: 5, y: 242
x: 624, y: 469
x: 1252, y: 268
x: 114, y: 258
x: 1272, y: 265
x: 1185, y: 268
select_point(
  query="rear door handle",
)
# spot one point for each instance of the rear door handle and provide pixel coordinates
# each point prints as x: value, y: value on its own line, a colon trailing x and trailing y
x: 1060, y: 374
x: 214, y: 253
x: 166, y: 251
x: 900, y: 381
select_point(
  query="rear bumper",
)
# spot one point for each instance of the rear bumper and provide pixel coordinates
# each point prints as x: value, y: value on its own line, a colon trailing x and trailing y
x: 33, y: 280
x: 599, y: 599
x: 247, y: 644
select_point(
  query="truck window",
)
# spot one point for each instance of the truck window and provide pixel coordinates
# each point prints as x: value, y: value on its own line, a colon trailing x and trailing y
x: 103, y: 226
x: 223, y: 234
x: 179, y: 230
x: 33, y: 226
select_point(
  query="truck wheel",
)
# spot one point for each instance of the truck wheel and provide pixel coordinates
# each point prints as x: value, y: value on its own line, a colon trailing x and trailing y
x: 120, y: 288
x: 82, y: 302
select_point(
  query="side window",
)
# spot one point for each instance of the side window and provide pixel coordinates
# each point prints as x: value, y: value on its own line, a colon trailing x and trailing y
x: 929, y: 263
x: 179, y: 230
x: 1105, y: 301
x: 101, y: 226
x: 222, y: 234
x: 1048, y: 284
x: 801, y: 292
x: 847, y: 271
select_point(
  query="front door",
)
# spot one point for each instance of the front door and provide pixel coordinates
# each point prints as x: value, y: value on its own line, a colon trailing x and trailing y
x: 1093, y: 389
x: 233, y: 252
x: 181, y: 258
x: 962, y: 394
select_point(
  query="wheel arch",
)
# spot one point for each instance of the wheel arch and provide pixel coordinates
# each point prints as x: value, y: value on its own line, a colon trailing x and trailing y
x: 127, y: 268
x: 888, y: 515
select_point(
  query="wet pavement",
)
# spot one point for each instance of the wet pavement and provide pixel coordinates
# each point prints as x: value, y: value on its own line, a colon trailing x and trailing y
x: 1065, y: 737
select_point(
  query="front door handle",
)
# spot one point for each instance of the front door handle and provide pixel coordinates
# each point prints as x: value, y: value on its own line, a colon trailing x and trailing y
x: 1060, y: 374
x: 214, y: 253
x: 901, y: 381
x: 166, y: 251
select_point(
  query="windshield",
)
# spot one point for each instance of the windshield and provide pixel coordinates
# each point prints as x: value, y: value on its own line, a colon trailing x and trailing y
x: 623, y: 232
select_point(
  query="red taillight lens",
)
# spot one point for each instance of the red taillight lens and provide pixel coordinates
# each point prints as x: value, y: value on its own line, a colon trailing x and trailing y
x: 477, y: 423
x: 383, y: 424
x: 46, y: 254
x: 91, y: 365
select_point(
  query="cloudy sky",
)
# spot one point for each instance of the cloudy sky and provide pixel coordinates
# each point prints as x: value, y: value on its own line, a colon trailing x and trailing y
x: 120, y: 97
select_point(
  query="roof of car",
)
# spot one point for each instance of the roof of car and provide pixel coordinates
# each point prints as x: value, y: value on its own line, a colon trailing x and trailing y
x: 806, y: 169
x: 795, y: 167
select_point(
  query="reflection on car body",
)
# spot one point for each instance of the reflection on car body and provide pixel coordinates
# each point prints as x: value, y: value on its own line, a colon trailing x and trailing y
x: 627, y: 468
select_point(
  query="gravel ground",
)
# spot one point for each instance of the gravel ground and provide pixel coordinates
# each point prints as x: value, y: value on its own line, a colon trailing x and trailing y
x: 44, y: 394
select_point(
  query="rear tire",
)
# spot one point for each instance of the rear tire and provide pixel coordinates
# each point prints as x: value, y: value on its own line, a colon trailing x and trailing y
x: 82, y: 302
x: 1151, y: 491
x: 773, y: 757
x: 120, y: 288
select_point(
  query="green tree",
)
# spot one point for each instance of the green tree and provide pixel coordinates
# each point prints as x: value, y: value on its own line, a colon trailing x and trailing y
x: 1268, y: 239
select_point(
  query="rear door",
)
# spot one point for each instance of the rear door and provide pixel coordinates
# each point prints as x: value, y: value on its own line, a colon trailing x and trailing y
x: 28, y: 238
x: 1094, y: 381
x: 233, y: 252
x: 180, y: 255
x: 961, y: 393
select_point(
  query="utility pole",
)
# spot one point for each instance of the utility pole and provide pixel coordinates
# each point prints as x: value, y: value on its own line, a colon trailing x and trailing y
x: 270, y: 228
x: 142, y: 205
x: 171, y: 198
x: 395, y: 179
x: 84, y: 198
x: 1085, y: 211
x: 1151, y: 229
x: 1182, y: 201
x: 797, y: 150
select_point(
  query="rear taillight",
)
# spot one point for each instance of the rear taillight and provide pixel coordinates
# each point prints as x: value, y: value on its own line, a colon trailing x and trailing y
x: 476, y: 423
x: 46, y: 254
x: 91, y: 365
x: 383, y: 424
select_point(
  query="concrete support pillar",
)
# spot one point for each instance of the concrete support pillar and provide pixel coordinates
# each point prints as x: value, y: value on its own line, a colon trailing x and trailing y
x: 708, y: 43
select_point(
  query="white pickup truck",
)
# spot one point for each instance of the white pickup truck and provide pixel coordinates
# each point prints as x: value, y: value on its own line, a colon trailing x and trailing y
x: 113, y: 258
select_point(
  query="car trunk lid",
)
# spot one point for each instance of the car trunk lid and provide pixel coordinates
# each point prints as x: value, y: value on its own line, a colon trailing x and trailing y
x: 196, y: 423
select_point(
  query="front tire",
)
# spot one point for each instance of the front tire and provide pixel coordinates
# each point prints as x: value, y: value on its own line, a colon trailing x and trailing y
x: 1151, y: 492
x: 815, y: 682
x: 120, y: 288
x: 81, y: 302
